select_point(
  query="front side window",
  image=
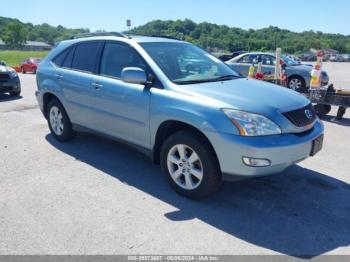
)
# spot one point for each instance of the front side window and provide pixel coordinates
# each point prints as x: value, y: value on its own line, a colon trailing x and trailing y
x: 185, y: 63
x: 268, y: 60
x: 85, y: 57
x: 116, y: 57
x: 249, y: 59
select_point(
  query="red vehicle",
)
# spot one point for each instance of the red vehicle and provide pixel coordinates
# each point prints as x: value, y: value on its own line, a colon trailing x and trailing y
x: 30, y: 65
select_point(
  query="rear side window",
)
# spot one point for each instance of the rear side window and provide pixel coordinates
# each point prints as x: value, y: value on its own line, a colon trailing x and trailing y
x: 64, y: 59
x: 58, y: 60
x: 85, y: 56
x: 69, y: 58
x: 116, y: 57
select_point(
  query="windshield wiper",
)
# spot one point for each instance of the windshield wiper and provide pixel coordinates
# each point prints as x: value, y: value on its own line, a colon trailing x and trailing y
x: 188, y: 82
x: 221, y: 78
x: 226, y: 77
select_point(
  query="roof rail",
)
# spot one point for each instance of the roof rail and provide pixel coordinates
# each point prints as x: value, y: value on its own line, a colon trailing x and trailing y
x: 99, y: 34
x: 155, y: 35
x: 166, y: 36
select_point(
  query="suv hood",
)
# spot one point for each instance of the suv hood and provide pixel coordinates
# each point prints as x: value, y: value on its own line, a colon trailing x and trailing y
x: 248, y: 95
x: 306, y: 68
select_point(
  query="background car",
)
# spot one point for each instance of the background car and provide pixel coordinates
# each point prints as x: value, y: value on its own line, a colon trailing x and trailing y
x: 308, y: 57
x: 9, y: 80
x: 299, y: 75
x: 226, y: 57
x: 30, y: 65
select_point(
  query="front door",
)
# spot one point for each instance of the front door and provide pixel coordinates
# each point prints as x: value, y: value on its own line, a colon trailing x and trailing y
x: 121, y: 109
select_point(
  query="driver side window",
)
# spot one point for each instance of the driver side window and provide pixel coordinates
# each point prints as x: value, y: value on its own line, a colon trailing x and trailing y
x: 116, y: 57
x: 249, y: 59
x: 268, y: 60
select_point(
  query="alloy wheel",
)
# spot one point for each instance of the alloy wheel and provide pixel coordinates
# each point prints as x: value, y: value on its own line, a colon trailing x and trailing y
x: 185, y: 166
x: 295, y: 84
x: 56, y: 120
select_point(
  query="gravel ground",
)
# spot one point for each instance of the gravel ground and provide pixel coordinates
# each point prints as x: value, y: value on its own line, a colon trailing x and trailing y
x: 94, y: 196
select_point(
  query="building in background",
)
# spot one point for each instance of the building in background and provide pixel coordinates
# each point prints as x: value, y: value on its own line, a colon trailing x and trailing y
x: 29, y: 46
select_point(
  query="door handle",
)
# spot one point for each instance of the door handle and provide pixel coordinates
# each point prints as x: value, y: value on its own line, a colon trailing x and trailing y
x: 59, y: 77
x: 97, y: 85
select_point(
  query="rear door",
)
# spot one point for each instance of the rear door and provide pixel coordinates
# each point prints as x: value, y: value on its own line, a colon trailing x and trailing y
x: 121, y: 109
x: 75, y: 76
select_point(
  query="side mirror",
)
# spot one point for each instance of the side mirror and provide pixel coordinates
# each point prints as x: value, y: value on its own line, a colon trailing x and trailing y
x: 134, y: 75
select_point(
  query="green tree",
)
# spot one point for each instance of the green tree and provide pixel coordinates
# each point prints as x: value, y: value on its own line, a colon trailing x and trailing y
x: 15, y: 35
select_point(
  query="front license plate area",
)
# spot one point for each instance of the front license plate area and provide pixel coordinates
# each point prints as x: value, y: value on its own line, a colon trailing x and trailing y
x: 316, y: 145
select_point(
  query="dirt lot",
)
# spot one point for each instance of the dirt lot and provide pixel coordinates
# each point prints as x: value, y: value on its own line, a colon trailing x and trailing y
x: 94, y: 196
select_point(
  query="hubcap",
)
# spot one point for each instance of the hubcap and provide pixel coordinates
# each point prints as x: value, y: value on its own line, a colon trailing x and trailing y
x: 295, y: 84
x: 56, y: 120
x: 185, y: 166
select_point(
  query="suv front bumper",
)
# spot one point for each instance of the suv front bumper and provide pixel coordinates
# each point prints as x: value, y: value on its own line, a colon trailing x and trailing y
x: 10, y: 85
x: 281, y: 150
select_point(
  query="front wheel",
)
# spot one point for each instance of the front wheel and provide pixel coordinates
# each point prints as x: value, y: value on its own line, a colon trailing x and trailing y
x: 190, y: 165
x: 296, y: 83
x: 59, y: 123
x: 15, y: 93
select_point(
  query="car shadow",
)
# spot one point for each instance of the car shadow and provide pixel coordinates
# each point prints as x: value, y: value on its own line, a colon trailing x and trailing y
x: 6, y: 98
x: 300, y: 212
x: 331, y: 119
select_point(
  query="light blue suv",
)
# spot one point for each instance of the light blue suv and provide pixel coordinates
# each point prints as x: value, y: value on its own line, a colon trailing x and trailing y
x: 202, y: 123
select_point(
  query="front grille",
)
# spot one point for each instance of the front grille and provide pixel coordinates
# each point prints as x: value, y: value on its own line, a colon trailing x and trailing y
x: 5, y: 76
x: 302, y: 117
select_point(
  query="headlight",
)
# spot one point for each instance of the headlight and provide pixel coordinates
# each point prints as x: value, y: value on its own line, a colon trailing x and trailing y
x: 250, y: 124
x: 13, y: 73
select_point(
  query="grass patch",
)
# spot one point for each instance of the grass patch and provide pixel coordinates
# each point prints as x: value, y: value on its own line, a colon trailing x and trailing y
x: 14, y: 58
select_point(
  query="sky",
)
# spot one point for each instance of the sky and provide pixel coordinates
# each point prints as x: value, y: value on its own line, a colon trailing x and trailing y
x: 332, y: 16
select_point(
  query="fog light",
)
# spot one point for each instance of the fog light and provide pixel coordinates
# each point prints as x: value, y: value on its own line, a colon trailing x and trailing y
x: 256, y: 162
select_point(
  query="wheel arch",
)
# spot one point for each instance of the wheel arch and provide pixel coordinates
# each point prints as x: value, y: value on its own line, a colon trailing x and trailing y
x: 47, y: 97
x: 169, y: 127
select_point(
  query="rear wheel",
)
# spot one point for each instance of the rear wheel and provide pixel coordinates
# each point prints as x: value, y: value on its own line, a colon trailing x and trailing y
x: 23, y: 71
x: 59, y: 123
x: 190, y: 165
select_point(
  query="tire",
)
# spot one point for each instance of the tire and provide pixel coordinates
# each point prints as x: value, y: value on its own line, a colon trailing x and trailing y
x: 203, y: 175
x: 34, y: 71
x: 322, y: 110
x: 296, y: 83
x: 340, y: 113
x: 58, y: 121
x: 23, y: 71
x: 15, y: 93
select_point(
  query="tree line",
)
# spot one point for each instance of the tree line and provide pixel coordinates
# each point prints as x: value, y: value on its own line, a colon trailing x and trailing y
x: 15, y: 33
x: 235, y: 39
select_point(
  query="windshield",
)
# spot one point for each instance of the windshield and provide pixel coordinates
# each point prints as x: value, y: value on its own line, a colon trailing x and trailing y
x: 185, y: 63
x: 289, y: 61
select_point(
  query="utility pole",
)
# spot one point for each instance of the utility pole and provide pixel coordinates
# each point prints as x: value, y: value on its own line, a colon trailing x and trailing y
x: 128, y: 24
